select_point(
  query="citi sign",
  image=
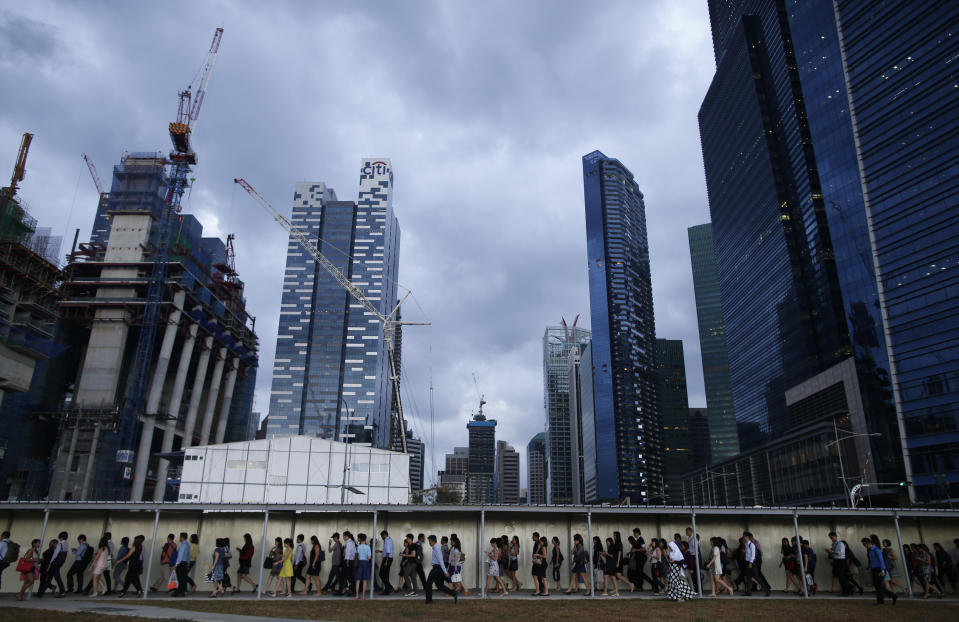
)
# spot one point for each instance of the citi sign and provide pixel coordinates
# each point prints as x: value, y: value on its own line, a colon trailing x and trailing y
x: 377, y: 169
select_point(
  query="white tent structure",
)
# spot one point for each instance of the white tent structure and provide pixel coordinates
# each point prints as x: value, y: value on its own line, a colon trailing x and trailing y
x: 294, y: 469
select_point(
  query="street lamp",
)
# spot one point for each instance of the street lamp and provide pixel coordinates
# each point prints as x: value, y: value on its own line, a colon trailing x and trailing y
x: 838, y: 444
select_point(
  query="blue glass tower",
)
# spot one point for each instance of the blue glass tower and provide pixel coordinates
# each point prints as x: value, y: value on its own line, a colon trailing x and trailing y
x: 626, y: 426
x: 331, y: 373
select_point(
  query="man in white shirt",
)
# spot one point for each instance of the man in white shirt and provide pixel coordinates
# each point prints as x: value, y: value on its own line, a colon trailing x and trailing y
x: 299, y: 562
x: 692, y: 540
x: 57, y: 560
x: 386, y: 562
x: 349, y: 563
x: 4, y: 547
x: 840, y: 565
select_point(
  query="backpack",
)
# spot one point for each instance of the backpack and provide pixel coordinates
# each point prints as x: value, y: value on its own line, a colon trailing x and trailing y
x: 850, y: 556
x: 13, y: 553
x: 87, y: 554
x: 419, y: 553
x: 322, y: 555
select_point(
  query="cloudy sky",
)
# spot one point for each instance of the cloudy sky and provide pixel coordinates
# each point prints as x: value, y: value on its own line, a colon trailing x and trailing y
x: 485, y: 108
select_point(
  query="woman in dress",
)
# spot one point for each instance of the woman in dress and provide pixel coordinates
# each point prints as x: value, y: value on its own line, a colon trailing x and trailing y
x: 134, y: 561
x: 540, y: 561
x: 580, y: 559
x: 313, y: 567
x: 788, y: 557
x: 101, y: 562
x: 363, y: 571
x: 456, y: 565
x: 512, y: 563
x: 678, y: 588
x: 599, y: 561
x: 28, y: 577
x: 715, y: 566
x: 504, y: 564
x: 246, y: 561
x: 492, y: 558
x: 286, y: 568
x: 620, y: 561
x: 556, y: 561
x: 610, y: 567
x: 275, y: 561
x: 216, y: 569
x: 925, y: 570
x: 892, y: 566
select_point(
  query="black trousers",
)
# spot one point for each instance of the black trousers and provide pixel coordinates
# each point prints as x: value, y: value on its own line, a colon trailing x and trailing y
x: 881, y: 590
x: 385, y: 566
x: 298, y: 574
x: 438, y: 579
x: 76, y: 570
x: 349, y: 576
x: 132, y: 577
x: 53, y: 574
x: 840, y: 568
x: 182, y: 575
x: 335, y: 579
x: 752, y: 572
x: 761, y: 577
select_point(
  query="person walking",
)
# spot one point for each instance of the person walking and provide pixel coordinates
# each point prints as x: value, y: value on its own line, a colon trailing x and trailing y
x: 82, y: 555
x: 678, y: 589
x: 438, y: 573
x: 29, y: 575
x: 840, y: 566
x: 285, y: 576
x: 181, y: 565
x: 580, y: 559
x: 789, y: 562
x: 620, y: 557
x: 492, y: 572
x: 245, y: 563
x: 216, y: 569
x: 877, y: 568
x: 420, y: 558
x: 335, y: 578
x: 45, y: 559
x: 134, y: 565
x: 364, y: 571
x: 349, y: 563
x: 194, y: 552
x: 512, y: 563
x: 120, y: 567
x: 299, y: 563
x: 106, y: 573
x: 100, y: 563
x: 692, y: 543
x: 456, y: 566
x: 809, y: 568
x: 751, y: 569
x: 386, y: 562
x: 408, y: 566
x: 167, y: 558
x: 892, y: 565
x: 539, y: 563
x: 6, y: 550
x: 715, y: 566
x: 313, y: 568
x: 556, y: 561
x: 925, y: 571
x: 610, y: 568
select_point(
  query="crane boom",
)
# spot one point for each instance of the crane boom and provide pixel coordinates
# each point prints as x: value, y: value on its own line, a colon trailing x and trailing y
x: 181, y: 130
x: 93, y: 173
x: 389, y: 329
x: 20, y: 168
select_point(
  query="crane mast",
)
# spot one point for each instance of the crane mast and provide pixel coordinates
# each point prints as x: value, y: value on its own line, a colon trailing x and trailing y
x: 104, y: 196
x: 389, y: 324
x: 19, y: 168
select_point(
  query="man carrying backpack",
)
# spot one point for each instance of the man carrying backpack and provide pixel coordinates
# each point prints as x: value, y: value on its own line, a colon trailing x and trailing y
x: 167, y: 558
x: 9, y: 552
x: 82, y: 556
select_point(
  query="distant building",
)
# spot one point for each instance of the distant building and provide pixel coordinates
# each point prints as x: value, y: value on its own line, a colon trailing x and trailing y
x: 673, y: 399
x: 481, y: 466
x: 587, y: 417
x: 415, y: 449
x: 507, y: 474
x: 558, y: 341
x: 453, y: 477
x: 724, y: 439
x: 701, y: 438
x: 629, y: 445
x: 536, y: 465
x: 574, y: 373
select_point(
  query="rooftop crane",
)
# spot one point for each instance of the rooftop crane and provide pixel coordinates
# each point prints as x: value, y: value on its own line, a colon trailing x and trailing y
x: 388, y: 321
x: 104, y: 196
x: 180, y: 159
x: 19, y: 169
x: 482, y: 397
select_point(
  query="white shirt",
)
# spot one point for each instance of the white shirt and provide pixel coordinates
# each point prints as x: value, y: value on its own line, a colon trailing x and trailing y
x: 299, y: 554
x: 388, y: 547
x: 838, y: 550
x: 675, y: 553
x: 717, y: 565
x: 750, y: 552
x: 693, y: 543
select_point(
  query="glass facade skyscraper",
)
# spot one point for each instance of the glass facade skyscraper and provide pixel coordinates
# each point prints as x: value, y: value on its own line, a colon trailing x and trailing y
x: 723, y: 437
x: 828, y: 136
x: 331, y: 375
x: 557, y: 343
x: 674, y: 401
x: 628, y: 433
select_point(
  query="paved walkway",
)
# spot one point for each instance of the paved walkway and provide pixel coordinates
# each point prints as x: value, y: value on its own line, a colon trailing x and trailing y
x: 87, y: 605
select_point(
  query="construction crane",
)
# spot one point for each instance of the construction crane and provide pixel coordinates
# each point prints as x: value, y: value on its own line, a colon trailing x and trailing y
x: 19, y: 170
x: 388, y: 321
x: 104, y: 196
x: 181, y: 158
x: 482, y: 398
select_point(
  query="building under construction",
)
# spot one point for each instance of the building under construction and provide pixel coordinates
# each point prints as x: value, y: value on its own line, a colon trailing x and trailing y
x: 201, y: 374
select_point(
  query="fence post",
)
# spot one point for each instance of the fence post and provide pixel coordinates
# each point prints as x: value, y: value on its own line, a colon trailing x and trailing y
x: 43, y: 544
x: 479, y: 556
x: 373, y: 559
x: 259, y: 580
x: 699, y: 578
x: 589, y: 547
x: 799, y: 555
x: 902, y: 556
x: 153, y: 543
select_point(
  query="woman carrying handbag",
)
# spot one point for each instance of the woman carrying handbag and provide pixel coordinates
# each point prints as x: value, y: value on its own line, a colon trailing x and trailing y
x: 29, y: 568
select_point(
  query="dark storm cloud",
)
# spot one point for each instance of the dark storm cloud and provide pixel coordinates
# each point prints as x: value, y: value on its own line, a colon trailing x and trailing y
x: 484, y: 108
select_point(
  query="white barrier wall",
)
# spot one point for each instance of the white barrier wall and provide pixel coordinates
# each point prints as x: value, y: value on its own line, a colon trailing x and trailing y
x: 474, y: 526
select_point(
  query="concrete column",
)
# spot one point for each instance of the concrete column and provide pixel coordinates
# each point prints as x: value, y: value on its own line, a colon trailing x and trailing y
x: 153, y: 398
x: 173, y: 410
x: 212, y: 396
x: 66, y: 471
x: 91, y: 463
x: 197, y: 393
x: 227, y: 400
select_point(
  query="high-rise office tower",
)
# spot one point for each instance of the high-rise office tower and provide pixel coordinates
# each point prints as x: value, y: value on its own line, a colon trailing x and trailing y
x: 627, y: 427
x: 453, y: 477
x: 481, y: 466
x: 331, y: 376
x: 536, y: 468
x: 700, y: 436
x: 673, y: 399
x: 724, y: 439
x: 828, y: 139
x: 507, y: 474
x: 415, y: 448
x: 557, y: 343
x: 574, y: 372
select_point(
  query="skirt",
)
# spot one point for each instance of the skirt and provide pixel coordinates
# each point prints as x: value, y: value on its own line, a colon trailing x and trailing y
x: 493, y: 570
x: 244, y: 566
x: 314, y: 571
x: 363, y: 570
x: 579, y: 568
x: 678, y: 587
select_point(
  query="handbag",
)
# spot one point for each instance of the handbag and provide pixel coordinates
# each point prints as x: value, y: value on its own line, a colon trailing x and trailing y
x: 25, y: 565
x: 173, y: 583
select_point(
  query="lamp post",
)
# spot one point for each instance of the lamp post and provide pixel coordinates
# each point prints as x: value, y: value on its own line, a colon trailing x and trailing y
x: 842, y: 469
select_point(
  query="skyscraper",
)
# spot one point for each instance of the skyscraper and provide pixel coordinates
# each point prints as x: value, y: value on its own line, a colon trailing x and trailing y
x: 507, y: 474
x: 574, y: 372
x: 536, y: 468
x: 331, y: 376
x: 700, y: 436
x: 828, y: 141
x: 557, y: 343
x: 627, y: 428
x: 453, y: 477
x: 724, y: 439
x: 673, y: 399
x: 481, y: 466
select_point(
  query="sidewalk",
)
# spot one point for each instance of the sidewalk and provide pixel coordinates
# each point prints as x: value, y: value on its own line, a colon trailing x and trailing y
x: 84, y: 605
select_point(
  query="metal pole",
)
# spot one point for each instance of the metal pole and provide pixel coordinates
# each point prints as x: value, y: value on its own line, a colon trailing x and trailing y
x: 699, y: 579
x: 266, y: 524
x: 153, y: 542
x: 479, y: 557
x: 589, y: 548
x: 842, y: 469
x: 902, y: 556
x: 43, y: 533
x: 373, y: 559
x: 799, y: 560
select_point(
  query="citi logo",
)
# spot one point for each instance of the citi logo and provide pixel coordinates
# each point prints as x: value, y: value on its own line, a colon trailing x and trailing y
x: 377, y: 168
